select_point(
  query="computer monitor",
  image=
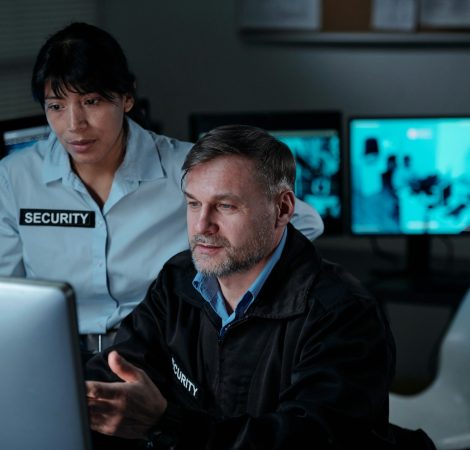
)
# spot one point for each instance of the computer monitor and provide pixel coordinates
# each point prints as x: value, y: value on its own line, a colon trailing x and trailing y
x: 315, y: 139
x: 42, y: 390
x: 16, y: 134
x: 410, y: 176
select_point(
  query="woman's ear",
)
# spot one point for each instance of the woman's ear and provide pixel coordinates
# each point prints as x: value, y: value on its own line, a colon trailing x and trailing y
x: 285, y: 208
x: 128, y: 102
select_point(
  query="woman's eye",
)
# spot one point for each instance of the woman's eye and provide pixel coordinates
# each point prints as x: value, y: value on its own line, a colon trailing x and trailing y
x: 92, y: 101
x: 53, y: 107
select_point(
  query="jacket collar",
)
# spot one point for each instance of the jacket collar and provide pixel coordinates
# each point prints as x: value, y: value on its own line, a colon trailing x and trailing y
x: 285, y: 292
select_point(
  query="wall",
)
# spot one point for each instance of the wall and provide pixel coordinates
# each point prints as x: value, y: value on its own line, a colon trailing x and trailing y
x: 189, y: 56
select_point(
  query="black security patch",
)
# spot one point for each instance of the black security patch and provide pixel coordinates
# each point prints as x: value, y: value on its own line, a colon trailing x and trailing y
x: 57, y: 218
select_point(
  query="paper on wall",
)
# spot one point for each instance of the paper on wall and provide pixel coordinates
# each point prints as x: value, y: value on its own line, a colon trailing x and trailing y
x: 445, y: 13
x: 281, y: 14
x: 400, y: 15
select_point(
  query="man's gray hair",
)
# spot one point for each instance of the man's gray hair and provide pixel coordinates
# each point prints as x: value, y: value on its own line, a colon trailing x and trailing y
x: 274, y: 163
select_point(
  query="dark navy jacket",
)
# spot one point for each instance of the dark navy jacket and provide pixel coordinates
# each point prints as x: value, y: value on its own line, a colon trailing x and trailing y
x: 309, y: 365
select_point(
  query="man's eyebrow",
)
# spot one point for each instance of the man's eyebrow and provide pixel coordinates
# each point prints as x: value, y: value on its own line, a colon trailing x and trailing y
x: 218, y: 197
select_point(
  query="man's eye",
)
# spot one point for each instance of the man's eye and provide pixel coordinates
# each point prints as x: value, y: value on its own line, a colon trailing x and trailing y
x: 226, y: 206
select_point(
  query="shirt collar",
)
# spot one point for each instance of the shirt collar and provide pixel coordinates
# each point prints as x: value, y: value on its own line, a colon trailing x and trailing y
x: 56, y: 161
x: 142, y: 160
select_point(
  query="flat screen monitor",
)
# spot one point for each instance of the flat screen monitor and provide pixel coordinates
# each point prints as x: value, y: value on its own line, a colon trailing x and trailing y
x: 42, y: 390
x: 17, y: 134
x: 315, y: 139
x: 410, y: 176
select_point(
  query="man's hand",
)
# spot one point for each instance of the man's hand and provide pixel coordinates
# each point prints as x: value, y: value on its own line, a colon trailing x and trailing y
x: 127, y: 409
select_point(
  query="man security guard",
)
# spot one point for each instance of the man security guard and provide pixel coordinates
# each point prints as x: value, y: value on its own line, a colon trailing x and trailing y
x: 250, y: 340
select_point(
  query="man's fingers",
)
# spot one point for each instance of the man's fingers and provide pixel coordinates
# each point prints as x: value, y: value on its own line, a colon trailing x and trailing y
x: 100, y: 407
x: 126, y: 408
x: 123, y: 369
x: 103, y: 390
x: 102, y: 417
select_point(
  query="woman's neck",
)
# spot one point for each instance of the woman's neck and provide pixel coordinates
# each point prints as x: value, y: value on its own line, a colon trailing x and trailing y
x: 98, y: 176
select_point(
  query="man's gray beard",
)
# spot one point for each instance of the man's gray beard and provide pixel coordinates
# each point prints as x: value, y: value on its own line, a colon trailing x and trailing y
x: 237, y: 259
x: 230, y: 265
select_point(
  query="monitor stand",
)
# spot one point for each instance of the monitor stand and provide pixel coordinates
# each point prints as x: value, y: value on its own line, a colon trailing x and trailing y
x: 418, y: 273
x: 418, y: 257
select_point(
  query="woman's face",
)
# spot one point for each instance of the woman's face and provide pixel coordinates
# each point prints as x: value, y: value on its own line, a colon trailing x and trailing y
x: 88, y: 126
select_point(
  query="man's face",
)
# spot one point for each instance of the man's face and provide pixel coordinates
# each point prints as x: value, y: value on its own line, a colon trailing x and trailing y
x: 231, y: 221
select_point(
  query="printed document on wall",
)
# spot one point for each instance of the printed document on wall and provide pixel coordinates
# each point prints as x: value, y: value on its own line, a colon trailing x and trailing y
x: 280, y: 14
x: 445, y: 13
x: 394, y: 15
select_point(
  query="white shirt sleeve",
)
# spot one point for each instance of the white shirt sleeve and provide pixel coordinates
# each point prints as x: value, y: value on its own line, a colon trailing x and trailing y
x: 307, y: 220
x: 11, y: 253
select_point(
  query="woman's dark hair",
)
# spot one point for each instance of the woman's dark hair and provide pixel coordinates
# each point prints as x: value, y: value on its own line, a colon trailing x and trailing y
x: 82, y: 58
x: 274, y: 163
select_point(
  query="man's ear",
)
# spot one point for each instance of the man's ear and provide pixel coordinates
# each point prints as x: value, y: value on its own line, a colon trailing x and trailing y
x: 285, y: 208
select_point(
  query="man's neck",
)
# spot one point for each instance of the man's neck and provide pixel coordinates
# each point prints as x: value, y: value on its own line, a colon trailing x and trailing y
x: 235, y: 285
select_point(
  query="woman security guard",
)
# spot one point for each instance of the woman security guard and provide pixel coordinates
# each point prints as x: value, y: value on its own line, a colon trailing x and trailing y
x: 100, y: 165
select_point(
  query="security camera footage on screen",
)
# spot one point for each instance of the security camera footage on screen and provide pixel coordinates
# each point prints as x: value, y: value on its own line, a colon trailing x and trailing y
x: 410, y: 176
x: 317, y: 155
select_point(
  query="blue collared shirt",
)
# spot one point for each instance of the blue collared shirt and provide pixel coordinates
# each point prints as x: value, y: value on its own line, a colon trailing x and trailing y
x: 209, y: 288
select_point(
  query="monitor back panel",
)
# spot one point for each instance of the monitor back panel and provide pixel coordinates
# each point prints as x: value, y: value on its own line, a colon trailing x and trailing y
x: 41, y: 383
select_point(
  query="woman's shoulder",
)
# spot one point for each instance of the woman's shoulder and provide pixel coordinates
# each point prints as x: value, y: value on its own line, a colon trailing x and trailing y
x: 170, y: 149
x: 172, y: 146
x: 28, y: 158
